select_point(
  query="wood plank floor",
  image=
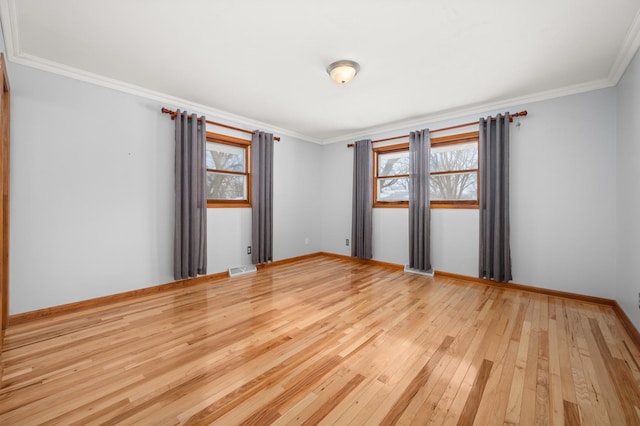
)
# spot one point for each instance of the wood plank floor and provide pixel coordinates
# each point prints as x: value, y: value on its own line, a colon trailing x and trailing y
x: 325, y: 341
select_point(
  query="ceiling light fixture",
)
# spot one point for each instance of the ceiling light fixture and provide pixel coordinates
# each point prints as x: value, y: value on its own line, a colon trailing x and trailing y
x: 343, y: 71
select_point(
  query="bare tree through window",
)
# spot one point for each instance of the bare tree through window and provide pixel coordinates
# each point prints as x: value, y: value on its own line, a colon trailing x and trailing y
x: 454, y: 175
x: 453, y: 165
x: 222, y: 186
x: 394, y: 186
x: 227, y: 174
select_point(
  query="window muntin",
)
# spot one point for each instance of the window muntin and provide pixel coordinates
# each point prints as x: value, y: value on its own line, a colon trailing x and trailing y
x: 228, y: 177
x: 454, y: 173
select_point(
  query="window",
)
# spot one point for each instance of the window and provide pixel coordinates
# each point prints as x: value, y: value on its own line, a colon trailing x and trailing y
x: 454, y: 170
x: 228, y: 177
x: 391, y: 183
x: 454, y: 173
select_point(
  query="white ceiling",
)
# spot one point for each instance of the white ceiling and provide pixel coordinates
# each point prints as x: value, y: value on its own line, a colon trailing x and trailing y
x: 264, y: 62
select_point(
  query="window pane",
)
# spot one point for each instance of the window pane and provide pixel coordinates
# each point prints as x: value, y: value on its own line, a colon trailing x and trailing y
x: 225, y: 157
x: 393, y: 189
x: 394, y: 163
x: 457, y: 186
x: 460, y: 156
x: 221, y: 186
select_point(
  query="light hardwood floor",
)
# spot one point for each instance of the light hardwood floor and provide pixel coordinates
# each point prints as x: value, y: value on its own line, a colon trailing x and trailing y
x: 326, y: 341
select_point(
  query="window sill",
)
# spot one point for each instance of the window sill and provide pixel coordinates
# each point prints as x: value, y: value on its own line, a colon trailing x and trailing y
x: 455, y: 206
x: 227, y: 205
x: 405, y: 205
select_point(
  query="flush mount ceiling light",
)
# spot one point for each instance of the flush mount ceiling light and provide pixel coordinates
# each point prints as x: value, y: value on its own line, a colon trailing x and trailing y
x: 343, y: 71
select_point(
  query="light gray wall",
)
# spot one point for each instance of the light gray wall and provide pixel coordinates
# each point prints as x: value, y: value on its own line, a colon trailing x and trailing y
x: 92, y: 195
x: 628, y: 192
x: 562, y: 200
x: 336, y: 169
x: 297, y: 183
x: 563, y: 195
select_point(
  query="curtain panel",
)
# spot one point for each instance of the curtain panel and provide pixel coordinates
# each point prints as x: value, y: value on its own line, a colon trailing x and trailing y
x: 493, y: 151
x: 419, y: 203
x: 262, y: 197
x: 190, y: 231
x: 361, y: 214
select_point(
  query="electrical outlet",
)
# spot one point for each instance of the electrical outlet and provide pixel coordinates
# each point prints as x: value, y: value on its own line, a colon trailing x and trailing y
x: 638, y: 300
x: 248, y: 249
x: 346, y: 242
x: 306, y: 240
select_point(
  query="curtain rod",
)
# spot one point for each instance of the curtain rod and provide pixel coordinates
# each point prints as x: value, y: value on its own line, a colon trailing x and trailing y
x: 215, y: 123
x: 517, y: 114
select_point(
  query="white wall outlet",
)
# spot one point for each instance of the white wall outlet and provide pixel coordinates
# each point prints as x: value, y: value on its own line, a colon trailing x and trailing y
x: 346, y: 242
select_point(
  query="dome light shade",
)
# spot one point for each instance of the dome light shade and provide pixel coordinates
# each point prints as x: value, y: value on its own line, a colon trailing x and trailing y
x: 343, y: 71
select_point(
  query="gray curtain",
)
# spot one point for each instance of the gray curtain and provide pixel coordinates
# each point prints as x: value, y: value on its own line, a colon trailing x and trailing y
x: 262, y: 197
x: 419, y: 207
x: 190, y: 231
x: 361, y: 214
x: 493, y: 151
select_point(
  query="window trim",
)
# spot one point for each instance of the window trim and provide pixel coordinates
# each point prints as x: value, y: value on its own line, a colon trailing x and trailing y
x: 246, y: 145
x: 435, y: 142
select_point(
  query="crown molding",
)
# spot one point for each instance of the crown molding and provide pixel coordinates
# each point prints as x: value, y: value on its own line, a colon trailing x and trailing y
x: 477, y: 109
x: 627, y: 51
x: 14, y: 54
x: 217, y: 114
x: 233, y: 119
x: 9, y: 22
